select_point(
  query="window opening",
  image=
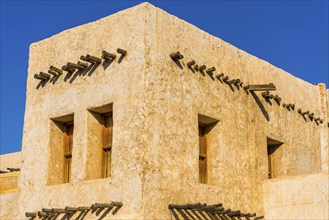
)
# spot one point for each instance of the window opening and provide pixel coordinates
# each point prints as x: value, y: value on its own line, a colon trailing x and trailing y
x: 273, y: 157
x: 107, y: 127
x: 205, y: 125
x: 202, y: 154
x: 68, y: 146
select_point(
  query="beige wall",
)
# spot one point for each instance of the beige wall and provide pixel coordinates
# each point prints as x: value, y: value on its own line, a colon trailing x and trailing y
x: 237, y: 156
x: 8, y: 185
x: 155, y: 115
x: 119, y: 83
x: 12, y: 160
x: 298, y: 197
x: 9, y: 206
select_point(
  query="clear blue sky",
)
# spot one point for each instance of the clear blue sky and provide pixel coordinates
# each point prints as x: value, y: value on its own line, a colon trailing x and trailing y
x: 292, y: 35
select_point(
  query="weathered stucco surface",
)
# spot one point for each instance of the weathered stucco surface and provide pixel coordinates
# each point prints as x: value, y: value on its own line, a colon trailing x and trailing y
x: 8, y: 206
x: 298, y: 197
x: 119, y: 83
x: 8, y: 185
x: 238, y: 154
x: 12, y: 160
x: 155, y: 114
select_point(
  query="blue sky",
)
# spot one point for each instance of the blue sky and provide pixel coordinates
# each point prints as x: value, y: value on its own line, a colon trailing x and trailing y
x: 292, y: 35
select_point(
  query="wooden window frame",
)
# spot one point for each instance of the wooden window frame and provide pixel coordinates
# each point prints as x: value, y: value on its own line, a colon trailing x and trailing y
x: 106, y: 145
x: 272, y: 146
x: 205, y: 126
x: 68, y: 147
x: 203, y: 160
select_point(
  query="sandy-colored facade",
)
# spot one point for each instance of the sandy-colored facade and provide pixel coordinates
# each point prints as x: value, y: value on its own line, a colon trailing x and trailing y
x: 157, y: 106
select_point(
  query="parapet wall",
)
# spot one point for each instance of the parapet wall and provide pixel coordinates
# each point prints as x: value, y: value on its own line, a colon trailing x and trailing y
x: 297, y: 197
x: 9, y: 191
x: 12, y: 160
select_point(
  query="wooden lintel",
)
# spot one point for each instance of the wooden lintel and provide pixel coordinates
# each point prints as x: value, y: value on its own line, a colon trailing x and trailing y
x: 262, y: 87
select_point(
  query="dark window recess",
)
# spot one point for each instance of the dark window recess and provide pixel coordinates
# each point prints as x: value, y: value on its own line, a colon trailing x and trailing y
x: 68, y: 144
x: 274, y: 157
x: 107, y: 127
x: 205, y: 125
x: 202, y: 154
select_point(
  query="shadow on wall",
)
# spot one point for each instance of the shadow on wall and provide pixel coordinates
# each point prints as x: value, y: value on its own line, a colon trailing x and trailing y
x: 79, y: 69
x: 260, y: 105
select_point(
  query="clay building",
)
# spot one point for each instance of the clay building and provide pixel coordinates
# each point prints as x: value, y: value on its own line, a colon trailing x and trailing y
x: 161, y: 120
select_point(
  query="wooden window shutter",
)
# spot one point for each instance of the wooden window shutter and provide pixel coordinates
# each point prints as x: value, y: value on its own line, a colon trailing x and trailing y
x: 107, y: 130
x: 68, y: 146
x: 202, y: 155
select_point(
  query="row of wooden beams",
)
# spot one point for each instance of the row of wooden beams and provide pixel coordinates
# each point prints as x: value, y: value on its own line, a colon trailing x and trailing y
x: 203, y: 211
x: 47, y: 212
x: 72, y: 67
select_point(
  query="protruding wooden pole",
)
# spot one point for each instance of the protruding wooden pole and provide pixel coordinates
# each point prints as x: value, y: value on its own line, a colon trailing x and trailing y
x: 46, y: 76
x: 59, y: 71
x: 46, y: 210
x: 91, y: 59
x: 42, y: 214
x: 70, y: 209
x: 52, y: 72
x: 202, y: 68
x: 261, y: 87
x: 36, y: 76
x: 13, y: 169
x: 84, y: 65
x: 210, y: 70
x: 58, y: 211
x: 191, y: 63
x: 101, y: 205
x: 277, y: 99
x: 75, y: 66
x: 176, y: 56
x: 218, y: 76
x: 83, y: 208
x: 225, y: 78
x: 68, y: 69
x: 108, y: 56
x: 30, y: 214
x: 122, y: 52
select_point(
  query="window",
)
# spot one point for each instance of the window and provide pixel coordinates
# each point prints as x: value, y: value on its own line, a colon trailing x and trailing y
x: 99, y: 142
x: 274, y: 154
x: 68, y: 145
x: 60, y: 149
x: 202, y: 154
x: 106, y: 130
x: 205, y: 125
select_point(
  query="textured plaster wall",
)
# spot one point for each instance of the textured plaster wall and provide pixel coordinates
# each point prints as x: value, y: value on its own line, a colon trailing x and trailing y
x: 12, y: 160
x: 8, y: 206
x: 119, y: 83
x: 9, y: 197
x: 237, y: 155
x: 298, y: 197
x: 155, y: 114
